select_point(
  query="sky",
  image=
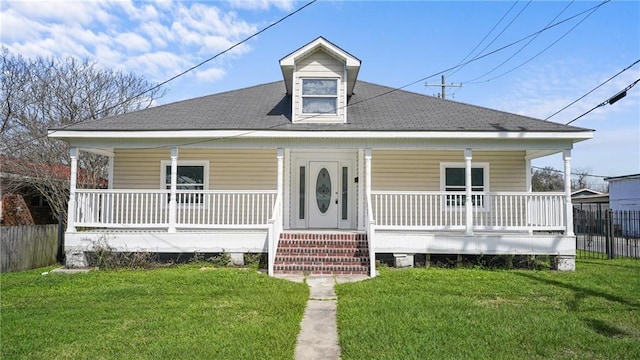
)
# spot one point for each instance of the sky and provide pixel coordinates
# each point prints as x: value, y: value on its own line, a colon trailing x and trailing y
x: 511, y: 65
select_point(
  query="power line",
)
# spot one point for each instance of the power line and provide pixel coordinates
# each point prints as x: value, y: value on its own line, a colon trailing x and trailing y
x: 543, y: 50
x: 560, y: 171
x: 386, y: 92
x: 612, y: 100
x: 485, y: 37
x: 592, y: 90
x: 482, y: 56
x: 404, y: 86
x: 168, y: 80
x: 519, y: 50
x: 503, y: 30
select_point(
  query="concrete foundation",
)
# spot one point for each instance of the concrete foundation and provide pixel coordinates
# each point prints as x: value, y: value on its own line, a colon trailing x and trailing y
x: 403, y: 260
x: 564, y: 263
x: 237, y: 259
x: 75, y: 259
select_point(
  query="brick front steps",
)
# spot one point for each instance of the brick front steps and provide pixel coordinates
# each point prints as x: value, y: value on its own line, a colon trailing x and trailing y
x: 322, y: 253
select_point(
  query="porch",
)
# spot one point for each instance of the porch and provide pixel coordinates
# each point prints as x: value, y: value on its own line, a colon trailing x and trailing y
x: 203, y: 210
x: 189, y: 217
x: 251, y: 222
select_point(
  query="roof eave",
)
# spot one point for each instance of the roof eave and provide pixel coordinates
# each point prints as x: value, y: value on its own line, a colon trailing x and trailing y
x: 576, y: 136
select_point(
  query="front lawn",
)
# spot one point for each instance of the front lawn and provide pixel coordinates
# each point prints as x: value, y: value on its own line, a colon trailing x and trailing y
x: 174, y: 313
x: 592, y: 313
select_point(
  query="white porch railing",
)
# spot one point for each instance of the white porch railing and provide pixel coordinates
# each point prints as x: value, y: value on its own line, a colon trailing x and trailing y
x: 195, y: 209
x: 492, y: 211
x: 122, y: 208
x: 224, y: 208
x: 275, y: 228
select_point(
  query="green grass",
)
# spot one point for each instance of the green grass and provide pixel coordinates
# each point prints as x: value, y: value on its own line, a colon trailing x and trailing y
x: 174, y: 313
x: 592, y: 313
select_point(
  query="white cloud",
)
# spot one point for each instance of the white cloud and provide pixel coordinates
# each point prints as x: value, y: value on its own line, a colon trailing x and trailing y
x: 144, y: 13
x: 158, y: 34
x: 18, y: 28
x: 545, y: 90
x: 215, y: 44
x: 158, y: 66
x: 133, y: 42
x: 62, y: 11
x: 210, y: 75
x: 156, y: 39
x: 209, y: 20
x: 263, y: 4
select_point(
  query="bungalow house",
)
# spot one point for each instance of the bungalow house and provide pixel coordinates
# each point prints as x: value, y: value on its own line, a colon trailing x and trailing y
x: 322, y: 171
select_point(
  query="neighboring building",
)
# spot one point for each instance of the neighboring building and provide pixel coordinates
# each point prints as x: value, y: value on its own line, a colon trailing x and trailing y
x: 589, y: 212
x: 624, y: 192
x: 22, y: 203
x: 322, y: 160
x: 598, y: 203
x: 624, y: 200
x: 590, y: 200
x: 21, y: 186
x: 584, y: 192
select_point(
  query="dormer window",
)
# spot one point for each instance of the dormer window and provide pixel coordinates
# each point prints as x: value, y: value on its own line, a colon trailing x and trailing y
x: 319, y: 78
x: 319, y: 96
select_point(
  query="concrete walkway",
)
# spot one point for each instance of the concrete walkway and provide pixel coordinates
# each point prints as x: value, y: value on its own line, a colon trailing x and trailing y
x: 318, y: 338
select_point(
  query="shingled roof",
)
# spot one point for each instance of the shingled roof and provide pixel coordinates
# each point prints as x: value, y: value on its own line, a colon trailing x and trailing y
x: 371, y: 108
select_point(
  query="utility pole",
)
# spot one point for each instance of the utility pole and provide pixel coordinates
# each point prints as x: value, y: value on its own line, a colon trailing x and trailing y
x: 444, y: 86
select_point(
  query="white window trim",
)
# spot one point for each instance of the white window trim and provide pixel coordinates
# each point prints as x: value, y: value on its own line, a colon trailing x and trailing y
x: 485, y: 179
x: 165, y: 163
x: 163, y: 174
x: 336, y: 96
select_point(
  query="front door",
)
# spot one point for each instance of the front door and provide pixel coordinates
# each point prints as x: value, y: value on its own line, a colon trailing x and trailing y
x: 323, y: 207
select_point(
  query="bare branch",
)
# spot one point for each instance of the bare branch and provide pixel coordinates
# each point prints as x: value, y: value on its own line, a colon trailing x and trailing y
x: 43, y: 93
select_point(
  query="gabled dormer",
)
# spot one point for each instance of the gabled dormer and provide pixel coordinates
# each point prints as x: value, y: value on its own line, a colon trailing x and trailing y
x: 319, y: 77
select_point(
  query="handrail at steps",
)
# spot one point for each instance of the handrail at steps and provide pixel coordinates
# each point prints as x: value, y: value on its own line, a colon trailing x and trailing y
x: 371, y: 222
x: 275, y: 228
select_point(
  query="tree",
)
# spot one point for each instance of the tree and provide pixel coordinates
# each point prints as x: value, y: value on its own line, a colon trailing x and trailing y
x: 547, y: 179
x: 580, y: 178
x: 45, y: 93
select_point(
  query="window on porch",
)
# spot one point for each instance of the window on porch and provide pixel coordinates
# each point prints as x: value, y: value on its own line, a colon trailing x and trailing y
x: 453, y: 180
x: 191, y: 175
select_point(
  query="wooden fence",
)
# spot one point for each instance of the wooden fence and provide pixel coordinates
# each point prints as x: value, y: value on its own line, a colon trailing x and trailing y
x: 28, y: 247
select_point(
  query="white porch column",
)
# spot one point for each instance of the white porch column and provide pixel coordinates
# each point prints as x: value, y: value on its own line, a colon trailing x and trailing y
x: 468, y: 204
x: 71, y: 209
x: 367, y: 174
x: 528, y: 175
x: 360, y: 187
x: 528, y: 185
x: 110, y: 178
x: 566, y: 155
x: 280, y: 175
x: 173, y: 208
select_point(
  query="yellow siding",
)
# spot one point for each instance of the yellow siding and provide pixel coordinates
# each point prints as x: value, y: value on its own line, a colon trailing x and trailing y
x: 138, y: 169
x: 319, y: 65
x: 419, y: 170
x: 229, y: 169
x: 232, y: 169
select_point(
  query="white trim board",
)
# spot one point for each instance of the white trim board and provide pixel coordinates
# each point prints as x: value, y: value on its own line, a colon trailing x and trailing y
x: 222, y: 134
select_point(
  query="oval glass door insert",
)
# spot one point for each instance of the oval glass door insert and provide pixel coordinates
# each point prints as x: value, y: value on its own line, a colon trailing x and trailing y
x: 323, y: 190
